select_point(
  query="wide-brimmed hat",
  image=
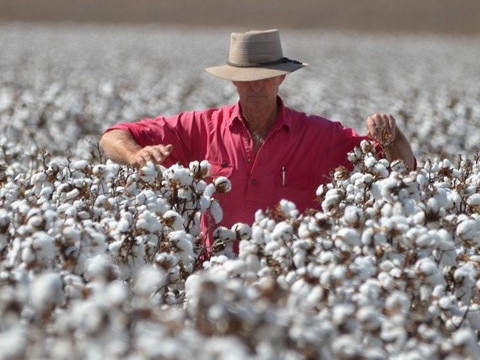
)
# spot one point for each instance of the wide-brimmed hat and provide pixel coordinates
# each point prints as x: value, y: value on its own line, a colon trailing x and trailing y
x: 255, y: 55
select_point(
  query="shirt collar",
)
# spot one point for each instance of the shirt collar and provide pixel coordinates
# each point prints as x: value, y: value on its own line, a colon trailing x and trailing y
x: 282, y: 117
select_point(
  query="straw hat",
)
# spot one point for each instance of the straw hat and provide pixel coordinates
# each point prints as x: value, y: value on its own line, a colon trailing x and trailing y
x: 255, y: 55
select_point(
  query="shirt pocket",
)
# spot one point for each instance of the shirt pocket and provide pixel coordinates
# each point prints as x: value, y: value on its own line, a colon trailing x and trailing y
x: 294, y: 180
x: 299, y: 188
x: 220, y: 169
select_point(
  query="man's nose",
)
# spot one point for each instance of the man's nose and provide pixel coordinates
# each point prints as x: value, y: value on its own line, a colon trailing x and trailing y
x: 257, y: 85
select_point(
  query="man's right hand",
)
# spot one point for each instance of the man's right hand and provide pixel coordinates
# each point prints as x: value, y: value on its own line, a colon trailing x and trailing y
x: 120, y: 146
x: 154, y: 153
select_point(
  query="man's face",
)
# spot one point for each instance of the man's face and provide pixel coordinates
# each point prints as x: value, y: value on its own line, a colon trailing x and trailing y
x: 256, y: 95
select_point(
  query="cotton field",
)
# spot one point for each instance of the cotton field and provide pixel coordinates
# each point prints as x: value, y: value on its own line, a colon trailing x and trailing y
x: 101, y: 261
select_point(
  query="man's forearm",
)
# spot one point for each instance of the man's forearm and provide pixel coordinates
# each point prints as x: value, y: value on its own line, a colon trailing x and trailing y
x: 119, y: 146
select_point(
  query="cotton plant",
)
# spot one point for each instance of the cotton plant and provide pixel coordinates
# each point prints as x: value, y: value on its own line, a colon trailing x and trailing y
x: 389, y: 234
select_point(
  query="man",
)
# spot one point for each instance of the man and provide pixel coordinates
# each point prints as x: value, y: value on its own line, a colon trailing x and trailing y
x: 267, y: 150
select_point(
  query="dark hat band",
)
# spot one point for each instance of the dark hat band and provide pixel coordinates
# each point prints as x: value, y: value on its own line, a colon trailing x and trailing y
x: 270, y: 63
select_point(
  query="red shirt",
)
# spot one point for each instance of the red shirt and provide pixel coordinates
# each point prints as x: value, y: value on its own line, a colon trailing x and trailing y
x: 298, y: 155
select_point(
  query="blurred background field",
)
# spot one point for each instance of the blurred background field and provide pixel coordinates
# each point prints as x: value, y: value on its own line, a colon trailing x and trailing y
x: 79, y: 66
x: 444, y: 16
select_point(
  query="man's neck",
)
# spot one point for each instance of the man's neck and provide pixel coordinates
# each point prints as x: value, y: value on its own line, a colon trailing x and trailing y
x: 260, y: 123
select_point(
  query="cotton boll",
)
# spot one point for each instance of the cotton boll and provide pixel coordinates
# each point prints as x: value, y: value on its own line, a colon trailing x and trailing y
x: 313, y: 298
x: 46, y: 292
x: 370, y: 162
x: 301, y: 289
x: 99, y: 268
x: 332, y: 200
x: 235, y: 267
x: 367, y: 237
x: 355, y: 155
x: 209, y: 191
x: 299, y: 258
x: 422, y: 179
x: 216, y: 211
x: 204, y: 203
x: 194, y: 167
x: 149, y: 222
x: 177, y: 175
x: 184, y: 243
x: 182, y: 240
x: 363, y: 267
x: 90, y: 319
x: 28, y: 255
x: 158, y: 205
x: 44, y: 247
x: 424, y: 241
x: 380, y: 170
x: 443, y: 199
x: 205, y: 168
x: 166, y: 261
x: 222, y: 184
x: 283, y: 231
x: 116, y: 293
x: 465, y: 340
x: 447, y: 303
x: 72, y: 194
x: 81, y: 165
x: 348, y: 236
x: 132, y: 188
x: 465, y: 279
x: 172, y: 219
x: 148, y: 280
x: 455, y: 198
x: 73, y: 286
x: 346, y: 347
x: 38, y: 178
x: 467, y: 230
x: 386, y: 281
x: 338, y: 273
x: 473, y: 200
x: 387, y: 211
x: 226, y: 348
x: 446, y: 253
x: 444, y: 240
x: 148, y: 173
x: 224, y: 234
x: 286, y: 209
x: 271, y: 247
x: 369, y: 318
x: 394, y: 335
x: 353, y: 216
x: 193, y: 287
x: 387, y: 266
x: 200, y: 186
x: 368, y: 293
x: 242, y: 231
x: 125, y: 222
x: 398, y: 166
x: 377, y: 191
x: 14, y: 342
x: 4, y: 220
x: 397, y: 303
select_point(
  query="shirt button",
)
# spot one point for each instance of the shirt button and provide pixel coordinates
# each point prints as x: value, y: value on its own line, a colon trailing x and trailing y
x: 249, y: 161
x: 254, y: 181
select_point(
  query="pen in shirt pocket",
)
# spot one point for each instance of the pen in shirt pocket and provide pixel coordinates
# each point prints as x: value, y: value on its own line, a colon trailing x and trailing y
x: 284, y: 174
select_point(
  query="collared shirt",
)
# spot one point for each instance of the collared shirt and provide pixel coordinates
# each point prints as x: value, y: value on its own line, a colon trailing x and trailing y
x: 300, y: 153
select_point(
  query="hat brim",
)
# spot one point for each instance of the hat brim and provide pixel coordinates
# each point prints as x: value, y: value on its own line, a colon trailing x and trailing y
x: 233, y: 73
